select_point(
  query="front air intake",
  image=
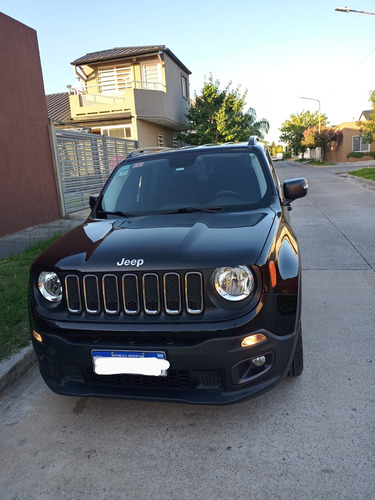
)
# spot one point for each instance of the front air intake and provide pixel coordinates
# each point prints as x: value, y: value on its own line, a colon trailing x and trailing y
x: 152, y: 294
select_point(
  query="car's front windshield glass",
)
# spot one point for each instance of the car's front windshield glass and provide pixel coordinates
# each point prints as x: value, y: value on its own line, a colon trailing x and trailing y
x: 189, y: 180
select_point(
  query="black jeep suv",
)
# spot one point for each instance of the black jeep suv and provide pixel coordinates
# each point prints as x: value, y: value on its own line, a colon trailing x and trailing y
x: 182, y: 285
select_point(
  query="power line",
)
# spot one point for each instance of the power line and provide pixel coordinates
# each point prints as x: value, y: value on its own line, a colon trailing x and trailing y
x: 363, y: 60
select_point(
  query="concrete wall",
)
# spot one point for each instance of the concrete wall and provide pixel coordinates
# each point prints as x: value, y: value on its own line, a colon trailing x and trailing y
x: 28, y: 194
x: 148, y: 134
x: 175, y: 100
x: 170, y: 106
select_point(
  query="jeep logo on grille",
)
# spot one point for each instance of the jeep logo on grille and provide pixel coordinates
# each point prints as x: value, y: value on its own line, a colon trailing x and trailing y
x: 130, y: 262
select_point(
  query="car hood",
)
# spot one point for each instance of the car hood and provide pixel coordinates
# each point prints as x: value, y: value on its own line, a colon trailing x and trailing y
x: 154, y: 242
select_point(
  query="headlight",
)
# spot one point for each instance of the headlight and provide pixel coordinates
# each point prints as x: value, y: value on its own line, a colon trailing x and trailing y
x: 50, y: 286
x: 234, y: 283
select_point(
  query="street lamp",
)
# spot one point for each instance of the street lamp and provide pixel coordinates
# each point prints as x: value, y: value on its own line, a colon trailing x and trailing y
x: 317, y: 100
x: 347, y: 10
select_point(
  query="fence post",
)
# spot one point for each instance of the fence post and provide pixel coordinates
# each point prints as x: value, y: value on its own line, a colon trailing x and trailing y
x: 56, y: 166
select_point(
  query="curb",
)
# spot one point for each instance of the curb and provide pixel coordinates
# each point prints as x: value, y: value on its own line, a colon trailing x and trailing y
x: 365, y: 182
x: 20, y: 363
x: 16, y: 366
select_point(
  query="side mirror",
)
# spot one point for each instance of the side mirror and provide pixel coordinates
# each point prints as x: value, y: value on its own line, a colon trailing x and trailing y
x: 92, y: 201
x: 294, y: 188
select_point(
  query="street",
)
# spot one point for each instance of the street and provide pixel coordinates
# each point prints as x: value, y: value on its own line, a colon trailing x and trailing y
x: 311, y: 437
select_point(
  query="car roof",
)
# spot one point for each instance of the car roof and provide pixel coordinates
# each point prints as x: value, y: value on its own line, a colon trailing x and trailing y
x: 253, y: 142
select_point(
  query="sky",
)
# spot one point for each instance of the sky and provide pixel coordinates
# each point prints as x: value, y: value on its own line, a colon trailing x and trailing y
x: 277, y: 50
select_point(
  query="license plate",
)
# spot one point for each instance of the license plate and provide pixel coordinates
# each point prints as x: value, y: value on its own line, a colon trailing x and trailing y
x: 130, y: 362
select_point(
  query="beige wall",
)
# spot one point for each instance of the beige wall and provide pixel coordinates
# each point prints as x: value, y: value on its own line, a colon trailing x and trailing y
x: 148, y: 134
x: 339, y: 152
x: 28, y: 194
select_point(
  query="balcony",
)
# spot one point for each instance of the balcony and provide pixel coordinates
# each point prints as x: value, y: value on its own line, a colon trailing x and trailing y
x: 89, y: 102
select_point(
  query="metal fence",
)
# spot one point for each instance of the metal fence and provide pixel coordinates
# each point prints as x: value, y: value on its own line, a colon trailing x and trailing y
x: 83, y: 163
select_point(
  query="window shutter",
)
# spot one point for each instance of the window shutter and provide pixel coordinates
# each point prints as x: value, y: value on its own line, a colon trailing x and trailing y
x: 114, y: 79
x: 152, y: 76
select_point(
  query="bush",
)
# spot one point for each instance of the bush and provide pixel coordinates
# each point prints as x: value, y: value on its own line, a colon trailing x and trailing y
x: 371, y: 153
x: 354, y: 154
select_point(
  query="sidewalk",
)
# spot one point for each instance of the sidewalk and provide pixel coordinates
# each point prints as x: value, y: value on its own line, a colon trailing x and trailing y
x: 342, y: 167
x: 17, y: 365
x: 18, y: 242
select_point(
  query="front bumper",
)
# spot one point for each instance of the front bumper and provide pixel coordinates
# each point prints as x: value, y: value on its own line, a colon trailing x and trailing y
x: 216, y: 370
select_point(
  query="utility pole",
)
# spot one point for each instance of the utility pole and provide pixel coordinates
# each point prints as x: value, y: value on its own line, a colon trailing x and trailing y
x: 317, y: 100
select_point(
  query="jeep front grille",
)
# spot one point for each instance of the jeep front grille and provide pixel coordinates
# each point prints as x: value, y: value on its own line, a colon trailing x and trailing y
x: 133, y: 294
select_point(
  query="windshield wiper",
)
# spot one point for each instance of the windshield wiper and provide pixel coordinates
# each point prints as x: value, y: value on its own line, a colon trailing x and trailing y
x: 183, y: 210
x: 188, y: 210
x: 116, y: 212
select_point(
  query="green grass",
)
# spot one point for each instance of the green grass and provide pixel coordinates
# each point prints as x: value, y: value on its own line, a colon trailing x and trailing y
x: 321, y: 164
x: 312, y: 162
x: 14, y: 280
x: 365, y: 173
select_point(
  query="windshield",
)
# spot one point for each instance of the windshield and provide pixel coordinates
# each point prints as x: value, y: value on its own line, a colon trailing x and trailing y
x: 219, y: 181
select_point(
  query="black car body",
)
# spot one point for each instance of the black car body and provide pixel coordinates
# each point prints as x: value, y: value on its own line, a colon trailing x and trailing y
x: 182, y: 285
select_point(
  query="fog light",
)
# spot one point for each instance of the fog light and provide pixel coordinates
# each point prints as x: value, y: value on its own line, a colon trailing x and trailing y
x: 259, y: 361
x: 253, y: 340
x: 37, y: 336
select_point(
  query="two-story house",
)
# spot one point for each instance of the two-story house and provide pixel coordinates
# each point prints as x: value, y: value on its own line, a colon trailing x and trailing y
x: 139, y: 93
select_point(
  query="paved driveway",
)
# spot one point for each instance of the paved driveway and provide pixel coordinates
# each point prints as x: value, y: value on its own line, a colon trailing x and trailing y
x: 311, y: 437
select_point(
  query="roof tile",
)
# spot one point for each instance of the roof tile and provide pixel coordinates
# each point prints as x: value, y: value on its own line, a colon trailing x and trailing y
x: 58, y: 107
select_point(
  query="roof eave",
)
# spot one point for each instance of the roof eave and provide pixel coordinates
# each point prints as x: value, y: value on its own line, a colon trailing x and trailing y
x: 112, y: 58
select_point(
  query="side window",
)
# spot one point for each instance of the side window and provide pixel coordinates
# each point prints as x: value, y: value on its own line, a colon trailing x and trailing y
x: 259, y: 174
x: 184, y: 86
x: 273, y: 173
x: 359, y: 144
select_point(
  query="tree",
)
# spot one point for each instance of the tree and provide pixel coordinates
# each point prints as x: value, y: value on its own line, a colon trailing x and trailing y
x: 312, y: 138
x: 292, y: 129
x: 369, y: 126
x: 309, y: 137
x: 218, y: 116
x: 274, y: 148
x: 327, y: 135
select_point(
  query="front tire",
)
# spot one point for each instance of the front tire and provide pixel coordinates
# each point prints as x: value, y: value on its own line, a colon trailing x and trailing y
x: 296, y: 367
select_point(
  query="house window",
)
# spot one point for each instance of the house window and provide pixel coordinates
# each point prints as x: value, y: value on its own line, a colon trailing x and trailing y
x: 360, y: 144
x: 184, y: 87
x: 114, y: 79
x: 174, y: 142
x: 160, y: 140
x: 151, y: 76
x: 119, y: 131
